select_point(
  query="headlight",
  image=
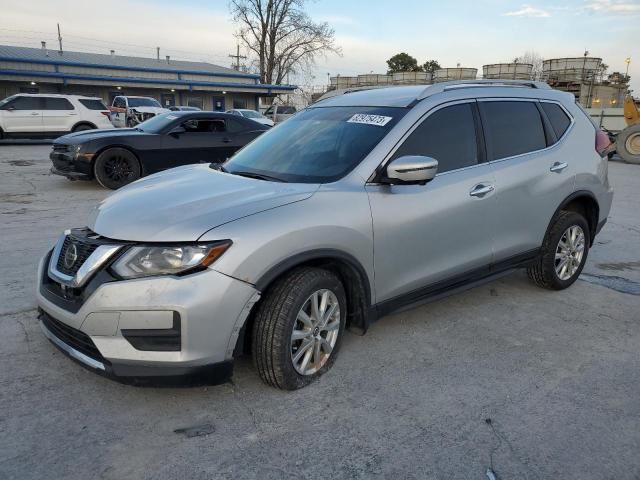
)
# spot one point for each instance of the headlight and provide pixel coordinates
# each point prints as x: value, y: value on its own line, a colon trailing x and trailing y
x: 146, y: 261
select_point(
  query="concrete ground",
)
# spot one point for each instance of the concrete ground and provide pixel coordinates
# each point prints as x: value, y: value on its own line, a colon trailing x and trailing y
x: 532, y: 383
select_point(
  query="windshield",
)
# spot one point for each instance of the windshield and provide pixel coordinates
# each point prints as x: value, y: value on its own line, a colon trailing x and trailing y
x: 6, y: 100
x: 318, y: 145
x: 250, y: 114
x: 157, y: 123
x: 143, y: 102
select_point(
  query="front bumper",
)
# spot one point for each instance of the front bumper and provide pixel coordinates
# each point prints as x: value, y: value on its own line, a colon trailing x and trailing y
x: 72, y: 165
x: 212, y: 309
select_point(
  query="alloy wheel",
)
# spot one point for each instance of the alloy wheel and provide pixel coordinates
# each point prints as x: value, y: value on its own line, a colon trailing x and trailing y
x: 569, y: 252
x: 117, y: 168
x: 315, y: 332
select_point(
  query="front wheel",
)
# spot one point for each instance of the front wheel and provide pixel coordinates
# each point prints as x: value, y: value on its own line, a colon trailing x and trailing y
x: 628, y: 144
x: 563, y: 254
x: 116, y: 167
x: 298, y: 328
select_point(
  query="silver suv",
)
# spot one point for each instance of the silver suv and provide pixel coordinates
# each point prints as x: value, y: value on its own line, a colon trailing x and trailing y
x: 361, y: 205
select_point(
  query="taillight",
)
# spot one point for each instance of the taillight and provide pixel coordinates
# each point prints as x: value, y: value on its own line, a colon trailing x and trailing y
x: 603, y: 145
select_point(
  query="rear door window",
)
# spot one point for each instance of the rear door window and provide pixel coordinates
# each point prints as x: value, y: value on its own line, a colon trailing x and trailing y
x: 557, y: 116
x: 92, y: 104
x: 448, y: 135
x: 57, y: 103
x: 512, y: 128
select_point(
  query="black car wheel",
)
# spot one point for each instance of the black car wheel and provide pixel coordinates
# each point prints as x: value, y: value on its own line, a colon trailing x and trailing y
x: 116, y: 167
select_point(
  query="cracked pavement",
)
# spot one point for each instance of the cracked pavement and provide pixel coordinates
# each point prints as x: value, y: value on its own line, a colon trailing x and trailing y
x: 531, y: 383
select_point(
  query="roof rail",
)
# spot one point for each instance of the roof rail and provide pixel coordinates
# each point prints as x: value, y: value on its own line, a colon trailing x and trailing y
x: 456, y: 84
x: 345, y: 91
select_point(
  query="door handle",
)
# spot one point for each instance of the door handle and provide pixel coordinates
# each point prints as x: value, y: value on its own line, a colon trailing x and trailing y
x: 35, y: 113
x: 226, y: 140
x: 558, y: 167
x: 481, y: 190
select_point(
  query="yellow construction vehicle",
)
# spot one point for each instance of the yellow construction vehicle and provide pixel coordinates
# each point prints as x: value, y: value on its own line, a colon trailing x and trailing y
x: 628, y: 140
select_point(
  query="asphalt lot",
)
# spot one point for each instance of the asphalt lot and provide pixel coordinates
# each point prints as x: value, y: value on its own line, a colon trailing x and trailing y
x: 557, y: 374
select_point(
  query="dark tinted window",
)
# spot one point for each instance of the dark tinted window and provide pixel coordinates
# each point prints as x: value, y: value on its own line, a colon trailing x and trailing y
x: 204, y: 125
x: 448, y: 135
x: 512, y: 128
x: 143, y: 102
x: 559, y: 120
x: 26, y: 103
x: 93, y: 104
x: 317, y: 145
x: 119, y: 103
x: 286, y: 110
x: 57, y: 103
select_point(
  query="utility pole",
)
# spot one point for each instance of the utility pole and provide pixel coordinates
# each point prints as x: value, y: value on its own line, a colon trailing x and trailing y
x: 158, y: 53
x: 626, y: 74
x: 237, y: 56
x: 59, y: 40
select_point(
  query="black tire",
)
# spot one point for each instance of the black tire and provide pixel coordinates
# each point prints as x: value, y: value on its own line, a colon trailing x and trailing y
x: 275, y: 320
x: 630, y: 136
x: 116, y: 167
x: 543, y: 270
x: 82, y: 128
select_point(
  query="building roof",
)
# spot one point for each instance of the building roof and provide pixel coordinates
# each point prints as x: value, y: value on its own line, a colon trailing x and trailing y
x: 25, y: 54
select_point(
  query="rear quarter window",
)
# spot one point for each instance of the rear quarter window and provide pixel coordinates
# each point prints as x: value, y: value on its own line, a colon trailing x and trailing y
x: 512, y: 128
x: 557, y: 116
x: 93, y: 104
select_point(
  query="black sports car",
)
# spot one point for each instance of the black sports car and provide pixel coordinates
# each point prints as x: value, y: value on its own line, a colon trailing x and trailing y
x: 119, y: 156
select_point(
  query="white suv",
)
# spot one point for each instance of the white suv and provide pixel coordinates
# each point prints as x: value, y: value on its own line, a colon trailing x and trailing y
x: 43, y: 115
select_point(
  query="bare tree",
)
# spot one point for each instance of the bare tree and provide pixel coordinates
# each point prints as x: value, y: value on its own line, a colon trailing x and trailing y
x: 533, y: 58
x: 281, y: 35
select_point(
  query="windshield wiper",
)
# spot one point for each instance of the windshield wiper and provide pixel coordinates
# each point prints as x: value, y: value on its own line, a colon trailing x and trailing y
x: 258, y: 176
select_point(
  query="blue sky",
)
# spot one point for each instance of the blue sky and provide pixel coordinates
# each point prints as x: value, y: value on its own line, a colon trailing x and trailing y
x: 471, y: 33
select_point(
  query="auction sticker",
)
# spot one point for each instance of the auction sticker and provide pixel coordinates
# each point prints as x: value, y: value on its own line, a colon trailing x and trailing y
x: 366, y: 119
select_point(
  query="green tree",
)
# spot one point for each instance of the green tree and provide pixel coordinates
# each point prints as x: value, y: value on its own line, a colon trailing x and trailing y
x: 402, y: 62
x: 431, y: 66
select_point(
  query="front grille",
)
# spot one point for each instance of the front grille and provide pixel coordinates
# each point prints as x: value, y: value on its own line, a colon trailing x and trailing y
x: 82, y: 251
x: 76, y: 339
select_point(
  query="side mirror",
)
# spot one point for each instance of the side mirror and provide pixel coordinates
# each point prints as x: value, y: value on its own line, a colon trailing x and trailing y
x: 10, y: 109
x: 411, y: 170
x: 177, y: 131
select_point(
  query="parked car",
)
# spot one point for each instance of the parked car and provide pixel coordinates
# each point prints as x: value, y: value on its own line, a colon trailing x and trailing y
x: 120, y: 156
x: 127, y: 111
x: 279, y: 113
x: 48, y: 115
x: 184, y: 108
x: 252, y: 114
x: 361, y: 205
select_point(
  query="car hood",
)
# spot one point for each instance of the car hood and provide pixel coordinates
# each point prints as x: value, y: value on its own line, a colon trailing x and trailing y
x: 183, y: 203
x: 88, y: 135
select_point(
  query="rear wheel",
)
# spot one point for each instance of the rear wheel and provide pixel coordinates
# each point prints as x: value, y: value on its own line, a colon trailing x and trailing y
x: 628, y: 144
x: 116, y: 167
x: 564, y: 252
x: 298, y: 328
x: 81, y: 128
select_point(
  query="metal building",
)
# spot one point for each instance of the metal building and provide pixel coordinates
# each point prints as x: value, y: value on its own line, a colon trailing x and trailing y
x: 172, y: 82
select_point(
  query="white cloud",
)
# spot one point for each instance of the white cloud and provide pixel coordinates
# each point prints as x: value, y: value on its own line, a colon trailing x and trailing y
x: 615, y: 7
x: 528, y: 11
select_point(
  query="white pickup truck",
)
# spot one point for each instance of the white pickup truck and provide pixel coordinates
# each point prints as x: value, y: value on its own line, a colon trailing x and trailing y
x: 129, y: 111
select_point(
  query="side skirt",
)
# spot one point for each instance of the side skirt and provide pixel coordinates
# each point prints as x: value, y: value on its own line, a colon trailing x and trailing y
x: 453, y: 285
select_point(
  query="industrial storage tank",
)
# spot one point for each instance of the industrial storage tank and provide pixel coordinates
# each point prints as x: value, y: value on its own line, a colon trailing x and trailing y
x: 373, y: 79
x: 458, y: 73
x: 343, y: 82
x: 411, y: 78
x: 573, y: 69
x: 513, y: 71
